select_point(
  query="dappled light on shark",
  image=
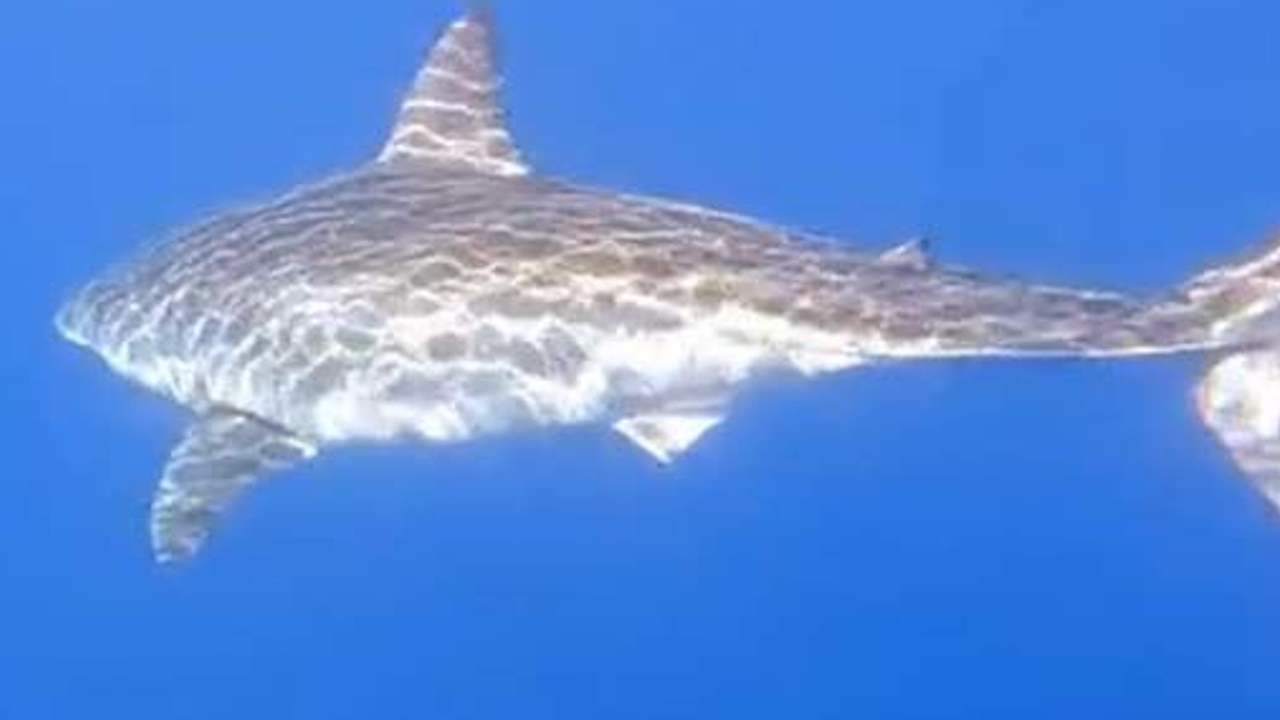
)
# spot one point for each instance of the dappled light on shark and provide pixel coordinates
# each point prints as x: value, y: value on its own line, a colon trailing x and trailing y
x: 446, y: 291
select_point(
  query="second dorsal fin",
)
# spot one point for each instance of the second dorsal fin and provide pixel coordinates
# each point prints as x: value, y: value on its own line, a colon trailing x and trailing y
x: 454, y: 113
x: 914, y: 253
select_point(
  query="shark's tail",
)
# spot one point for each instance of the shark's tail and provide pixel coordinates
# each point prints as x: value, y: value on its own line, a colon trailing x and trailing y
x: 1239, y: 398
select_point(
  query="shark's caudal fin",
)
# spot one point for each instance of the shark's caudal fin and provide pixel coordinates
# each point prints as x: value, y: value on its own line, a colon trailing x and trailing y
x: 1240, y: 401
x: 1240, y: 396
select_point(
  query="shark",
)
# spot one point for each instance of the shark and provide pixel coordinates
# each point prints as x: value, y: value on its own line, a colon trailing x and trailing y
x: 444, y: 291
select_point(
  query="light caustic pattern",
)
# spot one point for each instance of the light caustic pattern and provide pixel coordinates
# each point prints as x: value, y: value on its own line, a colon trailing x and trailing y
x: 444, y: 291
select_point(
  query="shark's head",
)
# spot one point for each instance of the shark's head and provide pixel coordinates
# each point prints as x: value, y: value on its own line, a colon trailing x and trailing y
x: 88, y: 316
x: 110, y: 317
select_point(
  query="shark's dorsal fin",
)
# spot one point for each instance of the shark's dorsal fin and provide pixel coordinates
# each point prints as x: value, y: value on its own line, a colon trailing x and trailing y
x: 454, y: 113
x: 914, y: 253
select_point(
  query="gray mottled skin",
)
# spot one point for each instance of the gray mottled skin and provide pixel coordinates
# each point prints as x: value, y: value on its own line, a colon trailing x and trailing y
x: 450, y: 287
x: 445, y: 292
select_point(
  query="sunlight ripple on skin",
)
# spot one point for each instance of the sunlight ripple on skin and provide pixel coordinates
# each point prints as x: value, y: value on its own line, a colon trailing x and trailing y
x: 445, y: 291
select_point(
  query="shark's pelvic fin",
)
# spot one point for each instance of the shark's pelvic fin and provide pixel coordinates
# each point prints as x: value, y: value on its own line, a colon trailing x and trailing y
x: 665, y: 436
x: 915, y: 253
x: 222, y: 453
x: 454, y: 113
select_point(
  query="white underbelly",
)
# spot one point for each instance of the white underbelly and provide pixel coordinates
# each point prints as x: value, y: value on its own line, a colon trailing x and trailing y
x: 621, y: 375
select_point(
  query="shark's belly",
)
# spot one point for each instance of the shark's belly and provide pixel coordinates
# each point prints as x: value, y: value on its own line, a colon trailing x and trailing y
x: 459, y: 385
x: 394, y: 393
x: 346, y: 363
x: 453, y: 386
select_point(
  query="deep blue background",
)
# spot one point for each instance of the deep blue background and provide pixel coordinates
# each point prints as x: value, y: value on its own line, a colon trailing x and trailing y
x: 1052, y: 540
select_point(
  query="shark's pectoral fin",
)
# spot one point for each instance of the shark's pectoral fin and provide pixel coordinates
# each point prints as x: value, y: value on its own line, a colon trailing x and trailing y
x: 222, y: 453
x: 666, y: 435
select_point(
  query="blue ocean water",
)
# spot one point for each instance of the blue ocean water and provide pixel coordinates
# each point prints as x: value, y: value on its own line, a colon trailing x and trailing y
x: 962, y: 540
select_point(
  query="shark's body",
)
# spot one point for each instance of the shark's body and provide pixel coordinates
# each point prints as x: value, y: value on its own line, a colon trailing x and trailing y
x: 445, y: 292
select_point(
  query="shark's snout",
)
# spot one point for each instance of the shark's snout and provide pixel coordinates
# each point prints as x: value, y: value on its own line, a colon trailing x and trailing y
x: 69, y: 320
x: 86, y: 312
